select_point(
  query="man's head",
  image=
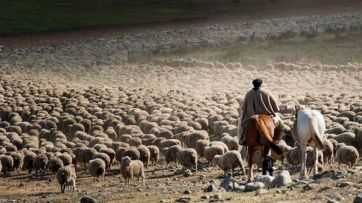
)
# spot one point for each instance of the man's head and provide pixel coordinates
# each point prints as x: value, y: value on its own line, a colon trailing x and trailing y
x: 257, y: 83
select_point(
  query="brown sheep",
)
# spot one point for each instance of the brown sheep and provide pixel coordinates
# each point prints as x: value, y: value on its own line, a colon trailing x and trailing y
x: 132, y: 168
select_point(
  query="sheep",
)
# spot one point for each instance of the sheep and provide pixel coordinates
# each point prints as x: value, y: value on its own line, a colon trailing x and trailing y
x: 104, y: 157
x: 7, y: 164
x: 347, y: 155
x: 285, y: 148
x: 231, y: 142
x: 294, y: 157
x: 119, y: 153
x: 223, y: 145
x: 54, y: 164
x: 229, y: 160
x: 195, y: 135
x: 71, y: 185
x: 132, y: 168
x: 347, y: 137
x: 328, y: 152
x: 187, y: 158
x: 84, y: 155
x: 28, y: 160
x: 212, y: 151
x: 18, y: 158
x: 154, y: 153
x: 144, y: 155
x: 168, y: 143
x: 200, y: 147
x: 171, y: 154
x: 66, y: 158
x: 111, y: 154
x: 65, y: 175
x: 40, y: 164
x: 97, y: 167
x: 133, y: 153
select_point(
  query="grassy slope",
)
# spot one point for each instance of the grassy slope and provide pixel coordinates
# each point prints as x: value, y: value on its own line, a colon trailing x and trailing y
x: 42, y: 15
x: 328, y: 49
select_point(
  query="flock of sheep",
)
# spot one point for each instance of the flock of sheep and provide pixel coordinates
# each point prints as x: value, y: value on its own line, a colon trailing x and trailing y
x: 49, y: 127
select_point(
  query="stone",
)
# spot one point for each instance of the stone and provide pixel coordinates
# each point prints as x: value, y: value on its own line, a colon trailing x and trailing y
x: 210, y: 188
x: 332, y: 201
x: 261, y: 191
x: 266, y: 179
x: 358, y: 198
x: 187, y: 173
x: 311, y: 186
x: 183, y: 200
x: 227, y: 184
x: 187, y: 192
x: 217, y: 197
x: 240, y: 188
x: 86, y: 199
x: 253, y: 186
x: 204, y: 197
x: 281, y: 180
x: 344, y: 184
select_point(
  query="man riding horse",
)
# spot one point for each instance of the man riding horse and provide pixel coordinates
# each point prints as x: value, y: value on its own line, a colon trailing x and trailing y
x: 257, y: 101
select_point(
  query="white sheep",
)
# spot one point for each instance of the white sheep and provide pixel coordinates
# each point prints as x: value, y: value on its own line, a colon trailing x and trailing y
x: 347, y: 155
x: 229, y: 160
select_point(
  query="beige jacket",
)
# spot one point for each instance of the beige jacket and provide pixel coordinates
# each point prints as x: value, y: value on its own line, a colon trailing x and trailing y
x: 258, y: 102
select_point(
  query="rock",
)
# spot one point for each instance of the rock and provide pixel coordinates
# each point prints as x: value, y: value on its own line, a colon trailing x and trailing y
x: 210, y: 188
x: 283, y: 179
x: 227, y: 184
x: 217, y: 197
x: 240, y: 188
x: 204, y: 197
x: 21, y: 184
x: 261, y: 191
x: 86, y: 199
x: 183, y: 200
x: 187, y: 192
x: 331, y: 173
x: 253, y: 186
x: 311, y: 186
x: 358, y: 198
x: 344, y: 184
x: 187, y: 173
x: 266, y: 179
x: 332, y: 201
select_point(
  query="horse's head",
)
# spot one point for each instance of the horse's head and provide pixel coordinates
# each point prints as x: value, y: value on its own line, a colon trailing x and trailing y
x: 280, y: 128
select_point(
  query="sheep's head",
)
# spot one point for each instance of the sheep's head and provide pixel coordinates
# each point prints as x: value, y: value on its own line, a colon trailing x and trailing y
x: 126, y: 161
x: 215, y: 160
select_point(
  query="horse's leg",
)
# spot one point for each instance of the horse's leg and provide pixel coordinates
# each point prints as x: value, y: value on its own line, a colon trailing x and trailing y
x: 250, y: 163
x: 303, y: 160
x: 316, y: 160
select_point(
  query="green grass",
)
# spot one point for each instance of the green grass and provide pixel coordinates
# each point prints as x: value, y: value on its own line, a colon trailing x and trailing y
x: 327, y: 49
x: 21, y: 16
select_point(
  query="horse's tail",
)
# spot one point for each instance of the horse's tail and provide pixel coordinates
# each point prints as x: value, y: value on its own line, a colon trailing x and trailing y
x: 316, y: 133
x: 268, y: 137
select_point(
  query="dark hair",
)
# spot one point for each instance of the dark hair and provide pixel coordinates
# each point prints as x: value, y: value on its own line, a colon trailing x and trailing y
x: 257, y: 83
x: 268, y: 165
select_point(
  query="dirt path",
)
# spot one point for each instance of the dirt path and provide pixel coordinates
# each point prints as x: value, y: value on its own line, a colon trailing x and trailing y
x: 257, y: 10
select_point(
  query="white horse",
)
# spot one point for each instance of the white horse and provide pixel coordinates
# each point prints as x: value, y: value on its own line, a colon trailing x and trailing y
x: 308, y: 130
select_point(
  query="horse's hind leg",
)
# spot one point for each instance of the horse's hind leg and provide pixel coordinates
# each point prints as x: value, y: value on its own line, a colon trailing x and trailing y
x: 316, y: 160
x: 250, y: 163
x: 304, y: 159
